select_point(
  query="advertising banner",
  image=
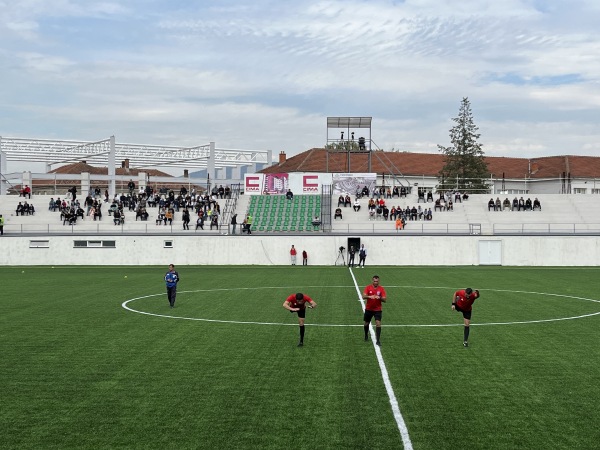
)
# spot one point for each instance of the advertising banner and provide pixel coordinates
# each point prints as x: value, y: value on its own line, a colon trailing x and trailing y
x: 279, y: 183
x: 351, y: 183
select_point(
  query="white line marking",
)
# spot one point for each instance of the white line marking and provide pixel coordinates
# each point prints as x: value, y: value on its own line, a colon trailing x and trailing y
x: 239, y: 322
x: 386, y: 379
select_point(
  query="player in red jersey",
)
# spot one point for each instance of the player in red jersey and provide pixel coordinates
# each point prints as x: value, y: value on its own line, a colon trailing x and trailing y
x: 296, y: 303
x: 462, y: 301
x: 374, y: 294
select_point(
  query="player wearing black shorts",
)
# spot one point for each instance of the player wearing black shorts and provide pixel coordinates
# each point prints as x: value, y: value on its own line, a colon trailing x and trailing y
x: 296, y: 303
x: 462, y: 301
x: 374, y: 294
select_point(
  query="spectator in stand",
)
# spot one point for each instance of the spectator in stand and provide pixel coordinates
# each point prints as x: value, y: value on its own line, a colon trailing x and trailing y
x: 356, y: 205
x: 498, y: 206
x: 395, y: 192
x: 528, y: 206
x: 420, y: 213
x: 289, y: 194
x: 365, y: 191
x: 457, y: 198
x: 537, y: 204
x: 341, y: 200
x: 429, y: 196
x: 117, y: 217
x: 491, y: 204
x: 52, y: 205
x: 169, y: 216
x: 233, y: 223
x: 413, y: 213
x: 26, y: 192
x: 20, y: 209
x: 399, y: 224
x: 428, y: 215
x: 304, y: 258
x: 347, y: 201
x: 465, y: 196
x: 515, y: 204
x: 141, y: 213
x: 388, y: 193
x: 98, y: 207
x: 214, y: 221
x: 438, y: 205
x: 521, y: 204
x: 227, y: 192
x: 186, y: 219
x: 506, y: 203
x: 338, y: 213
x: 221, y: 191
x: 386, y: 213
x: 200, y: 221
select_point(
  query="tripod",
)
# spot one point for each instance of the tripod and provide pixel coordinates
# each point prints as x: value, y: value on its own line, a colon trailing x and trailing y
x: 340, y: 255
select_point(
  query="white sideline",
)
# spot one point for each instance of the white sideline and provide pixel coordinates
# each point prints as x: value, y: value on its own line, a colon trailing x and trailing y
x: 406, y: 442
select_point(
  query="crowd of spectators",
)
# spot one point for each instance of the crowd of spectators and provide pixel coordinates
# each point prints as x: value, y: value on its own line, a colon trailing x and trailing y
x: 25, y: 209
x: 378, y: 209
x: 167, y: 202
x: 516, y: 205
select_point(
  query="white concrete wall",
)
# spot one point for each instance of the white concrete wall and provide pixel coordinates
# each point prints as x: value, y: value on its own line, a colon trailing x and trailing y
x: 322, y: 250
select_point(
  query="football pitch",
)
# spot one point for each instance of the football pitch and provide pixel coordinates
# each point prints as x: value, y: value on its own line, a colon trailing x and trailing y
x: 93, y: 357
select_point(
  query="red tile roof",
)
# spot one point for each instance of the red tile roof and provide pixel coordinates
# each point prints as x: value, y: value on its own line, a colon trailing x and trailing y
x: 430, y: 164
x: 80, y: 167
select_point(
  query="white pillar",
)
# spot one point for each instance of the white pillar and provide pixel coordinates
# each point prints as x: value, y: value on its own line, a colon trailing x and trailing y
x: 3, y: 184
x: 142, y: 179
x: 27, y: 180
x: 236, y: 174
x: 210, y: 164
x: 85, y: 184
x: 112, y: 165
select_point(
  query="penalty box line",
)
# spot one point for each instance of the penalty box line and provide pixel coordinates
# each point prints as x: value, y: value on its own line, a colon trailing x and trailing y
x: 406, y: 442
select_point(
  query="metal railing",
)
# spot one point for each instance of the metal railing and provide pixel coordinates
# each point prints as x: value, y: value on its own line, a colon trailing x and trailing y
x: 412, y: 228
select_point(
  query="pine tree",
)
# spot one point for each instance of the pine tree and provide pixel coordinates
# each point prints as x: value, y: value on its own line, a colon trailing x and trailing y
x: 465, y: 168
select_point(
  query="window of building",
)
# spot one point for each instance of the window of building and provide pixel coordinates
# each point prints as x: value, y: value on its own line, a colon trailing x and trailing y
x: 95, y: 244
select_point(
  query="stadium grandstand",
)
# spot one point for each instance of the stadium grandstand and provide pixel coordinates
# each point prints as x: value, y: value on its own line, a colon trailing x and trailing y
x: 402, y: 196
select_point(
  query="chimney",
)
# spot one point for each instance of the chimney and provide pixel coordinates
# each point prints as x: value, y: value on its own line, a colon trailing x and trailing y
x: 282, y: 157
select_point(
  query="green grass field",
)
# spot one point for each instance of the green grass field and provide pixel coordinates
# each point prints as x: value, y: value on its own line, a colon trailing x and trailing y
x: 79, y: 370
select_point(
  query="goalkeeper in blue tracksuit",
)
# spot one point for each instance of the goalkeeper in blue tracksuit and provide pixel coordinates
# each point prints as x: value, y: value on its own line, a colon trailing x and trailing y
x: 171, y: 278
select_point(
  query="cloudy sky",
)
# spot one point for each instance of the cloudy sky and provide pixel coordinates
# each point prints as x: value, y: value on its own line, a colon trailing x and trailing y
x: 266, y: 74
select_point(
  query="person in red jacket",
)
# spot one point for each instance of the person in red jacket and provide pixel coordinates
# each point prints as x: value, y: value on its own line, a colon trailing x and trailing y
x: 462, y: 301
x: 374, y: 294
x: 296, y: 303
x: 293, y: 254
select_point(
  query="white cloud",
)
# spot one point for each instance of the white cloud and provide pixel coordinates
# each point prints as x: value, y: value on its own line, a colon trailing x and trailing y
x: 267, y: 74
